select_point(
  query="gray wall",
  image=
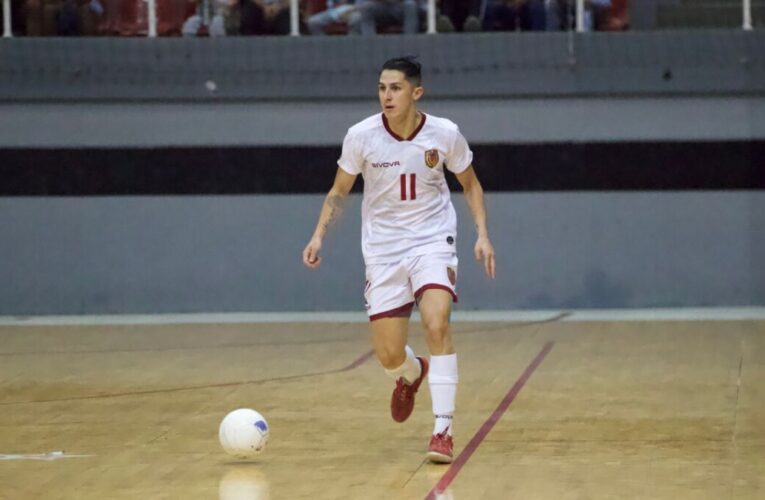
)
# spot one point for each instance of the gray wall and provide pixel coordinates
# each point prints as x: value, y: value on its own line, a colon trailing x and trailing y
x: 463, y: 65
x: 601, y: 119
x: 555, y: 250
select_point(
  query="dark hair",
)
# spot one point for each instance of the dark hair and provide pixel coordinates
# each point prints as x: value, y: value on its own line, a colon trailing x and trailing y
x: 411, y: 69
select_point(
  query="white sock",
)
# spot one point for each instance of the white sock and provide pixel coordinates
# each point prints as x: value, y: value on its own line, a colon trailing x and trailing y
x: 443, y: 391
x: 410, y: 369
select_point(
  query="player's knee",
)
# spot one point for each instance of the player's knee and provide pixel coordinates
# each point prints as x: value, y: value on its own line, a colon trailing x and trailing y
x: 436, y: 327
x: 390, y: 358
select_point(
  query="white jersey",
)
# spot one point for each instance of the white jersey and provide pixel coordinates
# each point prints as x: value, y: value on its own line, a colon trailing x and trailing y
x: 407, y: 209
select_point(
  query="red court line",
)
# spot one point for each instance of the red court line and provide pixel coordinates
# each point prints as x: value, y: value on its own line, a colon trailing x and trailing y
x: 359, y: 361
x: 463, y: 457
x: 355, y: 364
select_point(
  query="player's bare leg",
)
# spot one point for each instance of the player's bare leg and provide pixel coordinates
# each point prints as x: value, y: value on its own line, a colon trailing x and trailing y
x: 435, y: 307
x: 389, y: 337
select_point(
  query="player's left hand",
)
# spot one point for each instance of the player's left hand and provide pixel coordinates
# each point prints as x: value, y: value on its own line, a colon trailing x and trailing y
x: 485, y: 250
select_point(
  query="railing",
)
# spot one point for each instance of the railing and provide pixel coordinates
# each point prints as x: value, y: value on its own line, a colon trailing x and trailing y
x: 7, y: 19
x: 579, y: 24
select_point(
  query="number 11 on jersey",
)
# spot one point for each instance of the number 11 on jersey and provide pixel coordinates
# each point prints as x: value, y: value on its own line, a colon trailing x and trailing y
x: 412, y: 184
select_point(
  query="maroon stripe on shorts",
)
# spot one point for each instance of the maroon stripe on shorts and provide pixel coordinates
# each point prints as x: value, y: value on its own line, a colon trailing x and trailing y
x: 399, y: 312
x: 434, y: 286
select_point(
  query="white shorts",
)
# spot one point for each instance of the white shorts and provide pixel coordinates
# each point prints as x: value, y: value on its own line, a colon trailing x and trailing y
x: 392, y: 289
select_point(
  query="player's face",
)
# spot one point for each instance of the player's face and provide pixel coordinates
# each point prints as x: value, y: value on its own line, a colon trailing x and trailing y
x: 397, y: 95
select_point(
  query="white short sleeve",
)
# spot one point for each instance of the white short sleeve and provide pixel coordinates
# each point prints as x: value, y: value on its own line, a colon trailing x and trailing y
x: 459, y: 157
x: 351, y: 159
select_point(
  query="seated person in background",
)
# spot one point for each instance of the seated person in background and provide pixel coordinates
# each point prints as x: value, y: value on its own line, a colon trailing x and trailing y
x: 561, y: 14
x: 210, y: 15
x: 459, y: 15
x: 511, y: 15
x: 264, y: 17
x: 617, y: 18
x: 338, y: 11
x: 61, y: 17
x: 386, y: 13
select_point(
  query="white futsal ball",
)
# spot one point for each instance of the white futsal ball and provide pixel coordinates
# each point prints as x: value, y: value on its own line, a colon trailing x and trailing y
x: 243, y: 433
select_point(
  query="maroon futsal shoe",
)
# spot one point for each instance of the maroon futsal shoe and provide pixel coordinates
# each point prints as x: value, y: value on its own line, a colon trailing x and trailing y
x: 441, y: 448
x: 402, y: 401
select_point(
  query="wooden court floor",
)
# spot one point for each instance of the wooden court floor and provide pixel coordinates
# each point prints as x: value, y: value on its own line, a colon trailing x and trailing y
x: 592, y: 410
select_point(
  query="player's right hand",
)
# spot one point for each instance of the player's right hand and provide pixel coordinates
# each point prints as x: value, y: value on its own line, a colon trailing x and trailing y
x: 311, y: 253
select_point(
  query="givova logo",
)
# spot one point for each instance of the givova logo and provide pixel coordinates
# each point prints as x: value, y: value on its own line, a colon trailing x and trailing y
x: 386, y: 164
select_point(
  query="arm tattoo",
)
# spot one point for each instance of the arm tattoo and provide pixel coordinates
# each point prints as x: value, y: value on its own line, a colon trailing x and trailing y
x: 335, y: 204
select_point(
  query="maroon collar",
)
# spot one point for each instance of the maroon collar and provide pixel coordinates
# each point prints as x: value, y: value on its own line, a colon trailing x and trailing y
x: 398, y: 137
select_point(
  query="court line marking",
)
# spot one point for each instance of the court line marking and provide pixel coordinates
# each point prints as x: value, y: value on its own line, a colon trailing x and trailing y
x: 355, y: 364
x: 511, y: 327
x: 639, y: 314
x: 487, y: 426
x: 47, y: 457
x: 211, y: 347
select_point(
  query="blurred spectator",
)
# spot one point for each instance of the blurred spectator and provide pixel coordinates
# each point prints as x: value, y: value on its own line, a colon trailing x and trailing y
x: 209, y: 18
x: 510, y: 15
x: 264, y: 17
x: 336, y: 12
x: 110, y: 18
x: 62, y: 17
x: 131, y: 17
x: 561, y: 14
x: 618, y: 17
x: 386, y: 13
x: 67, y: 19
x: 459, y: 15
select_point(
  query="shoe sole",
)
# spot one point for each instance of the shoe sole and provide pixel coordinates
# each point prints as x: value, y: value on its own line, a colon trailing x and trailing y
x: 439, y: 458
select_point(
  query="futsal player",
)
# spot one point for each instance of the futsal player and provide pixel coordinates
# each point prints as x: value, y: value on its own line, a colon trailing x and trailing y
x: 409, y: 238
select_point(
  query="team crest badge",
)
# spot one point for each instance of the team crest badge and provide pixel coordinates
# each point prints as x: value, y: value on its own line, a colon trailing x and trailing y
x: 431, y: 158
